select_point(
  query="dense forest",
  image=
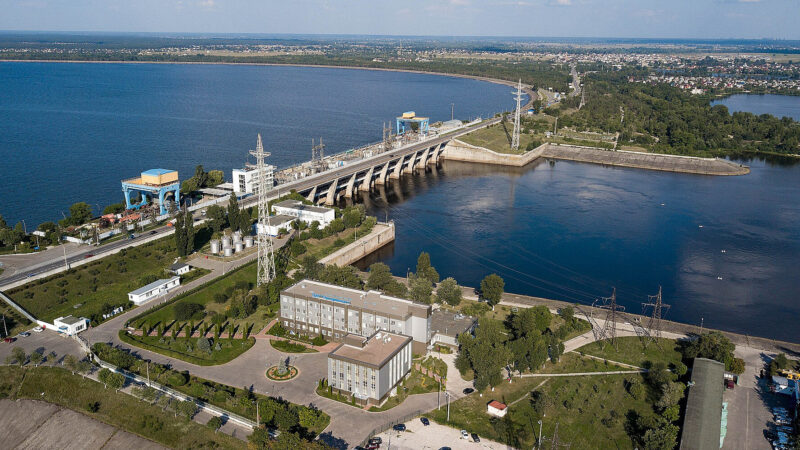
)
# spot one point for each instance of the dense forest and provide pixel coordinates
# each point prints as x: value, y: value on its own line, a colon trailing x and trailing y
x: 670, y: 120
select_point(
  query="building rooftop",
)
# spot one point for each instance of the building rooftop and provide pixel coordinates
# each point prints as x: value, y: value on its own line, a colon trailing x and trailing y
x: 370, y: 300
x: 701, y: 424
x: 152, y: 285
x: 69, y: 320
x: 295, y: 204
x: 156, y: 172
x: 497, y: 405
x: 373, y: 351
x: 177, y: 266
x: 449, y: 323
x: 280, y: 219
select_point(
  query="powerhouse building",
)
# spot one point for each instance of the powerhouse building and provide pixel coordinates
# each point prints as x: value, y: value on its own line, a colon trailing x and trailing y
x: 369, y: 368
x: 313, y: 308
x: 305, y: 213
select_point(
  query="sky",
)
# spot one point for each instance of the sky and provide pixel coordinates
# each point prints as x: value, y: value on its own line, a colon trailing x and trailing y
x: 704, y: 19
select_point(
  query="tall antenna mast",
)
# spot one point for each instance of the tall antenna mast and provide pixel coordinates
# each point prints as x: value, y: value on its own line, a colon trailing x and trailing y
x: 515, y: 136
x: 266, y: 262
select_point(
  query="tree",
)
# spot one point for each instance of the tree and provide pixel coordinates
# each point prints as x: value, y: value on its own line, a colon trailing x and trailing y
x: 187, y: 409
x: 204, y: 344
x: 215, y: 423
x: 233, y: 212
x: 71, y: 363
x: 555, y: 348
x: 671, y: 394
x: 19, y: 355
x: 351, y: 218
x: 185, y: 310
x: 379, y: 276
x: 419, y: 288
x: 492, y: 288
x: 346, y: 276
x: 449, y: 292
x: 215, y: 177
x: 658, y: 375
x: 531, y: 320
x: 216, y: 217
x: 310, y: 418
x: 662, y: 438
x: 200, y: 176
x: 116, y: 381
x: 180, y: 234
x: 103, y: 376
x: 188, y: 223
x: 713, y: 345
x: 424, y: 268
x: 114, y: 208
x: 79, y: 213
x: 36, y: 358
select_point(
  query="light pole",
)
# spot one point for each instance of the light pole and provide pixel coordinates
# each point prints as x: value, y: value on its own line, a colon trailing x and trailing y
x: 539, y: 438
x: 447, y: 395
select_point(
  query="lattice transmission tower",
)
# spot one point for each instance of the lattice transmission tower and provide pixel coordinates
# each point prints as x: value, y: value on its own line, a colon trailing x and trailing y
x: 610, y: 327
x: 654, y: 324
x: 515, y: 135
x: 266, y: 261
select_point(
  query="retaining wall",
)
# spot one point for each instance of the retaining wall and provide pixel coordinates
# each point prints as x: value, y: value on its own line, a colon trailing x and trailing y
x: 382, y: 234
x: 456, y: 150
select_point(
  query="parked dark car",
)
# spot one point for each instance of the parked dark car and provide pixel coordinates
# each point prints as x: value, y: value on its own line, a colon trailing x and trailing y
x: 399, y: 427
x: 475, y: 437
x: 468, y: 391
x: 425, y: 421
x: 373, y: 446
x: 445, y: 448
x: 9, y: 340
x: 376, y: 440
x: 88, y: 255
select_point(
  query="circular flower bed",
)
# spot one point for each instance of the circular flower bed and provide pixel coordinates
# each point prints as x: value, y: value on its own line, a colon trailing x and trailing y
x: 274, y: 375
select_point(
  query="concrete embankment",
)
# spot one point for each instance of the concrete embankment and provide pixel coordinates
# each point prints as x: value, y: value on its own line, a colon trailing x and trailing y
x: 460, y: 151
x: 456, y: 150
x: 381, y: 234
x: 640, y: 160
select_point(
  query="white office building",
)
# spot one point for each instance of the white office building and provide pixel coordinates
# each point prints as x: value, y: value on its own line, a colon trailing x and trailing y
x: 312, y: 308
x: 306, y: 213
x: 71, y: 325
x: 153, y: 290
x: 369, y: 368
x: 245, y: 181
x: 276, y: 223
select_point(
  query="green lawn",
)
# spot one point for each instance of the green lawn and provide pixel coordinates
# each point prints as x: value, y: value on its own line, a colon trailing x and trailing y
x: 575, y: 363
x: 117, y: 409
x: 83, y: 290
x: 415, y: 383
x: 186, y: 348
x: 494, y: 138
x: 631, y: 351
x: 14, y: 321
x: 319, y: 248
x: 290, y: 347
x: 578, y: 404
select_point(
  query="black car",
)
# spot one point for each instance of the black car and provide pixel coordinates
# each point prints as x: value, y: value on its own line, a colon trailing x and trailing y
x: 399, y: 427
x: 425, y: 421
x: 376, y: 440
x: 468, y: 391
x: 445, y: 448
x: 475, y: 437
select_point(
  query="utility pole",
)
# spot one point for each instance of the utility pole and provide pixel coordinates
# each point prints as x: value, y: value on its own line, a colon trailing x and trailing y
x: 66, y: 265
x: 610, y: 328
x: 515, y: 135
x: 148, y: 374
x: 6, y: 333
x: 258, y: 417
x: 452, y: 110
x: 539, y: 438
x: 447, y: 394
x: 654, y: 324
x: 266, y: 263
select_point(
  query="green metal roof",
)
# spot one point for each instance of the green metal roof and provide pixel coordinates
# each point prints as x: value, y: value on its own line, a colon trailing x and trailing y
x: 701, y: 426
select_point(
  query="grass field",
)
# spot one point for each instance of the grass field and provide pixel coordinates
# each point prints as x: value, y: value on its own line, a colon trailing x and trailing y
x: 82, y: 291
x: 575, y: 363
x: 582, y: 406
x: 494, y: 138
x: 14, y: 321
x: 631, y: 351
x: 58, y: 386
x: 186, y: 348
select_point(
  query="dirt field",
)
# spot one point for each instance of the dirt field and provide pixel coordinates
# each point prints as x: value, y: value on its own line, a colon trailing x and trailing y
x: 29, y: 424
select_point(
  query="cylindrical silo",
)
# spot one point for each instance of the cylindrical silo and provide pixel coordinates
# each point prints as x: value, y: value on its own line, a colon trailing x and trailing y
x: 215, y: 246
x: 226, y: 241
x: 248, y: 241
x: 238, y: 246
x: 227, y: 251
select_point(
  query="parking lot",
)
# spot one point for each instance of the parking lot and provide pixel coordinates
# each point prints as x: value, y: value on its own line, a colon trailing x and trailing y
x: 432, y: 437
x: 44, y: 342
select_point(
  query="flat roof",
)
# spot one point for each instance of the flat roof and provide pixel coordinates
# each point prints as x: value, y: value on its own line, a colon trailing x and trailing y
x: 157, y: 171
x: 69, y: 320
x: 701, y: 425
x: 152, y: 285
x: 296, y: 204
x: 449, y: 323
x: 280, y: 219
x: 375, y: 352
x: 497, y: 405
x: 177, y: 266
x: 354, y: 298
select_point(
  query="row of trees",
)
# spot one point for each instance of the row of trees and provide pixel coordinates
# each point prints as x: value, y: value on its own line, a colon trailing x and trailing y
x: 184, y: 233
x: 202, y: 179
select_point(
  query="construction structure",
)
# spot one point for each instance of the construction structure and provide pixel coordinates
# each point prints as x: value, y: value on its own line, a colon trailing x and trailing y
x: 515, y: 134
x: 653, y: 328
x: 266, y: 264
x: 161, y: 183
x: 409, y: 121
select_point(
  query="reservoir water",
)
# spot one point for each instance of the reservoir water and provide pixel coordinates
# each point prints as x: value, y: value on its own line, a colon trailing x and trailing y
x: 777, y: 105
x: 726, y: 249
x: 70, y: 132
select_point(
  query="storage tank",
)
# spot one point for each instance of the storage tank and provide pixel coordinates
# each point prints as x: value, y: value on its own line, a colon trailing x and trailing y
x: 226, y: 241
x: 239, y: 247
x: 248, y: 241
x: 215, y: 246
x: 227, y: 251
x: 237, y: 237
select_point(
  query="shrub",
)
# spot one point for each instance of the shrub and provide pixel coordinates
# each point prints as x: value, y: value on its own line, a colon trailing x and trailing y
x: 177, y: 379
x: 186, y: 310
x: 220, y: 298
x: 319, y: 341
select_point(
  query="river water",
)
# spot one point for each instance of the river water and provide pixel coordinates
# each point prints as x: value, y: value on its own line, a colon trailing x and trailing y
x: 70, y: 132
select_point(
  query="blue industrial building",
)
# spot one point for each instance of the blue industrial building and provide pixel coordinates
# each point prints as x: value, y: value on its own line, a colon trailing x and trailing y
x: 160, y: 182
x: 408, y: 118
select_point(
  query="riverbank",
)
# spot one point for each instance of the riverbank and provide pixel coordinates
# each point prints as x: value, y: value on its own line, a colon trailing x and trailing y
x: 382, y: 234
x: 460, y: 151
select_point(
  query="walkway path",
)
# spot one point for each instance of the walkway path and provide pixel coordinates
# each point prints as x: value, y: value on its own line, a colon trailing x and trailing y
x: 578, y: 374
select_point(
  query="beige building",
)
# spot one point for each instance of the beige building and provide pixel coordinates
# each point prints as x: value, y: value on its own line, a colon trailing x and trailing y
x: 312, y: 308
x: 369, y: 368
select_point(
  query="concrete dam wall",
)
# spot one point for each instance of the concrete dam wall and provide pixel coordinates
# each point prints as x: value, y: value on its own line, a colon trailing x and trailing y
x: 461, y: 151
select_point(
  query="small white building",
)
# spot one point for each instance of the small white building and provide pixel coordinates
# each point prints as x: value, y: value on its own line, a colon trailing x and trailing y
x: 496, y: 408
x: 71, y: 325
x: 306, y: 213
x: 245, y: 181
x: 155, y: 289
x: 179, y: 268
x: 370, y: 368
x: 276, y: 223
